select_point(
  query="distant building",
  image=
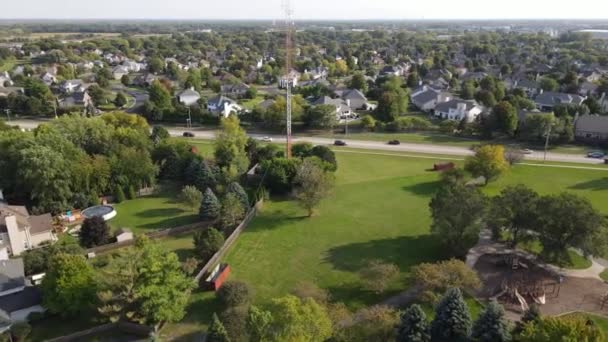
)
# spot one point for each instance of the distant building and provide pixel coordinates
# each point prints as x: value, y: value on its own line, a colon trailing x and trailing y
x: 546, y: 101
x: 222, y: 105
x: 591, y: 128
x: 188, y: 97
x: 17, y: 299
x: 458, y: 110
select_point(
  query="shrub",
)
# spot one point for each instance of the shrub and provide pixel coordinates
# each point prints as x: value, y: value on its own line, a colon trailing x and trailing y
x: 119, y: 194
x: 131, y: 194
x: 377, y: 275
x: 326, y: 154
x: 302, y: 150
x: 207, y: 243
x: 21, y: 330
x: 235, y: 293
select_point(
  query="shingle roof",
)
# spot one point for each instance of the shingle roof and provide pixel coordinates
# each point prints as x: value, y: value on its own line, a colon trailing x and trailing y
x: 592, y: 123
x: 425, y: 96
x: 11, y: 274
x: 188, y: 92
x: 446, y: 106
x: 27, y: 298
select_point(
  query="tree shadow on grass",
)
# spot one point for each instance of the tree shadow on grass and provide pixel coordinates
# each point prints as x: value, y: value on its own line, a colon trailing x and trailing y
x: 423, y: 189
x: 278, y: 219
x: 160, y: 212
x: 184, y: 253
x: 171, y: 222
x: 356, y: 296
x: 201, y: 309
x: 593, y: 185
x: 404, y: 251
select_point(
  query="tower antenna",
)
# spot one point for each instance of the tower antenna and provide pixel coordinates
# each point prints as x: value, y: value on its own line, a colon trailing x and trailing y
x: 289, y: 27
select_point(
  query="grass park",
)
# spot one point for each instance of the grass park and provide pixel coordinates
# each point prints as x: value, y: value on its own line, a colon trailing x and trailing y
x: 379, y: 210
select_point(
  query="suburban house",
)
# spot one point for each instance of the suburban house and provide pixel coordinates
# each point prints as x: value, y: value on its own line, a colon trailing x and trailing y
x: 604, y: 103
x: 317, y: 73
x: 145, y: 80
x: 5, y: 79
x: 531, y: 88
x: 393, y: 70
x: 476, y: 76
x: 6, y: 91
x: 119, y: 71
x: 77, y: 99
x: 17, y: 299
x: 72, y: 86
x: 343, y: 108
x: 427, y: 98
x: 238, y: 90
x: 188, y: 97
x: 591, y: 75
x: 222, y: 105
x: 293, y: 76
x: 458, y: 110
x: 20, y: 231
x: 546, y: 101
x: 133, y: 66
x: 591, y: 128
x: 356, y: 99
x: 587, y: 88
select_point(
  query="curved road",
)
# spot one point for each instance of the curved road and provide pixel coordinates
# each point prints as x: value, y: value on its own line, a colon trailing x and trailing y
x: 365, y: 144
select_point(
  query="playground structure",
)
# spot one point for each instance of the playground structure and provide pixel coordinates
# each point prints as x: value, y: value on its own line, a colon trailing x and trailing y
x: 523, y: 291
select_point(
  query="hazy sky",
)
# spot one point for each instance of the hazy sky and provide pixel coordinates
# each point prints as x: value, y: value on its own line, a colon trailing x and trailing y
x: 304, y: 9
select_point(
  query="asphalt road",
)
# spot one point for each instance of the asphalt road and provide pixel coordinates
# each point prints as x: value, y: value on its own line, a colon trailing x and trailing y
x: 367, y: 145
x: 140, y: 97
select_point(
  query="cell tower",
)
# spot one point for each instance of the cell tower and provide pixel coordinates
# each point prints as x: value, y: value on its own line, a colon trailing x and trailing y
x: 289, y: 28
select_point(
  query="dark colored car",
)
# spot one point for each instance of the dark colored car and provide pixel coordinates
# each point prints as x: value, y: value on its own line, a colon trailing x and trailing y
x: 596, y: 154
x: 340, y: 143
x: 188, y: 134
x: 394, y: 142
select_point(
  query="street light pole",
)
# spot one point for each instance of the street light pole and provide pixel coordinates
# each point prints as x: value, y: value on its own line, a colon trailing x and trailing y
x: 547, y: 142
x: 8, y: 112
x: 189, y: 120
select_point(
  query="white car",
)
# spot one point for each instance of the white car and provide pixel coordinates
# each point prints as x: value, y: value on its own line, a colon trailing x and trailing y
x: 266, y: 139
x: 527, y: 151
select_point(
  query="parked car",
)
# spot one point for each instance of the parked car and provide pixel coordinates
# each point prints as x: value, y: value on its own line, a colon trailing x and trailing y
x: 394, y: 142
x: 188, y: 135
x: 266, y: 139
x: 596, y: 154
x: 340, y: 143
x: 527, y: 151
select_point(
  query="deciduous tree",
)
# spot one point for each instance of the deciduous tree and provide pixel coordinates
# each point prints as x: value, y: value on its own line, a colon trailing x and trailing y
x: 207, y: 242
x: 94, y: 232
x: 191, y: 197
x: 313, y: 185
x: 488, y: 161
x: 377, y: 276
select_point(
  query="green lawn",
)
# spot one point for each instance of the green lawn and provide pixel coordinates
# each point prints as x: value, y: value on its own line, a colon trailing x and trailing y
x: 251, y: 103
x: 414, y: 137
x: 154, y: 212
x: 601, y: 321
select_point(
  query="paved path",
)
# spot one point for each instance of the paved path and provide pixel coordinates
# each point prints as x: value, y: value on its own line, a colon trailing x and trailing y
x: 487, y: 246
x: 364, y: 144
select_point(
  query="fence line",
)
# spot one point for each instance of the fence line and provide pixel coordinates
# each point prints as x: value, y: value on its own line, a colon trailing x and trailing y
x: 125, y: 327
x: 229, y: 241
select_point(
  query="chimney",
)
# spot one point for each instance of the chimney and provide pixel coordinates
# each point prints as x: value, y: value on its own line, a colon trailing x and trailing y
x: 348, y: 102
x: 461, y: 106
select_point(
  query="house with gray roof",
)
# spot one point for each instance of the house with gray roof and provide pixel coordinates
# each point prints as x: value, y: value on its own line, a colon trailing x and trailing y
x: 71, y: 86
x: 427, y: 99
x: 343, y: 109
x: 546, y: 101
x: 78, y: 99
x: 355, y: 99
x: 222, y: 105
x: 20, y: 231
x: 458, y: 110
x: 17, y: 298
x: 235, y: 90
x: 591, y: 128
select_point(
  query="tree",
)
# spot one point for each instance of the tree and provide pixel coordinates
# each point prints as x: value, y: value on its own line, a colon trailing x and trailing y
x: 457, y: 227
x: 236, y: 189
x: 438, y: 277
x: 20, y: 331
x: 413, y: 80
x: 125, y: 80
x: 567, y: 220
x: 159, y: 96
x: 375, y: 323
x: 313, y: 185
x: 413, y: 326
x: 94, y: 232
x: 514, y: 210
x: 119, y: 194
x: 489, y: 162
x: 455, y: 176
x: 120, y: 100
x: 207, y: 242
x: 156, y: 65
x: 235, y: 293
x: 368, y: 122
x: 210, y: 206
x: 258, y: 324
x: 506, y: 117
x: 69, y: 285
x: 452, y: 319
x: 302, y: 150
x: 159, y: 134
x: 549, y: 329
x: 486, y: 98
x: 199, y: 173
x: 280, y: 173
x: 322, y: 116
x: 548, y: 84
x: 393, y: 102
x: 231, y: 213
x: 325, y: 154
x: 297, y: 319
x: 144, y: 284
x: 307, y: 289
x: 492, y: 326
x: 191, y: 197
x: 467, y: 90
x: 230, y: 145
x: 217, y: 332
x: 358, y: 82
x: 377, y: 276
x: 513, y: 156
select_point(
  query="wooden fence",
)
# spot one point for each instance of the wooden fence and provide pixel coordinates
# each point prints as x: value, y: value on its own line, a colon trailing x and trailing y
x: 229, y: 241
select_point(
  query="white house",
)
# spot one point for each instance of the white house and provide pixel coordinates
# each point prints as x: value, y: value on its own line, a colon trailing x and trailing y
x: 293, y: 77
x: 72, y: 86
x: 458, y: 110
x: 48, y: 78
x: 5, y: 79
x: 427, y: 98
x: 188, y: 97
x: 222, y: 105
x: 119, y: 71
x: 343, y: 107
x: 19, y: 231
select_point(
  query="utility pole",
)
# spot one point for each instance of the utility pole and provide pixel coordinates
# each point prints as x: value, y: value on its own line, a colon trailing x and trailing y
x: 189, y: 119
x: 548, y: 134
x: 8, y: 112
x: 287, y: 4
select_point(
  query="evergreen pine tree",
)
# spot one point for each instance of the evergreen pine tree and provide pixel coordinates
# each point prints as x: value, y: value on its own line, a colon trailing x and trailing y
x: 491, y: 325
x: 217, y: 332
x: 236, y: 189
x: 452, y: 321
x: 119, y: 194
x: 414, y: 326
x: 200, y: 174
x: 531, y: 315
x: 210, y: 206
x: 131, y: 194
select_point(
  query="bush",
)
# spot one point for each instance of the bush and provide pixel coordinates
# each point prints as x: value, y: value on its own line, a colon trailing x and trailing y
x: 279, y: 173
x: 20, y: 331
x: 207, y: 243
x: 235, y: 293
x: 326, y: 154
x: 377, y: 275
x: 131, y: 194
x: 191, y: 197
x: 94, y: 232
x: 302, y: 150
